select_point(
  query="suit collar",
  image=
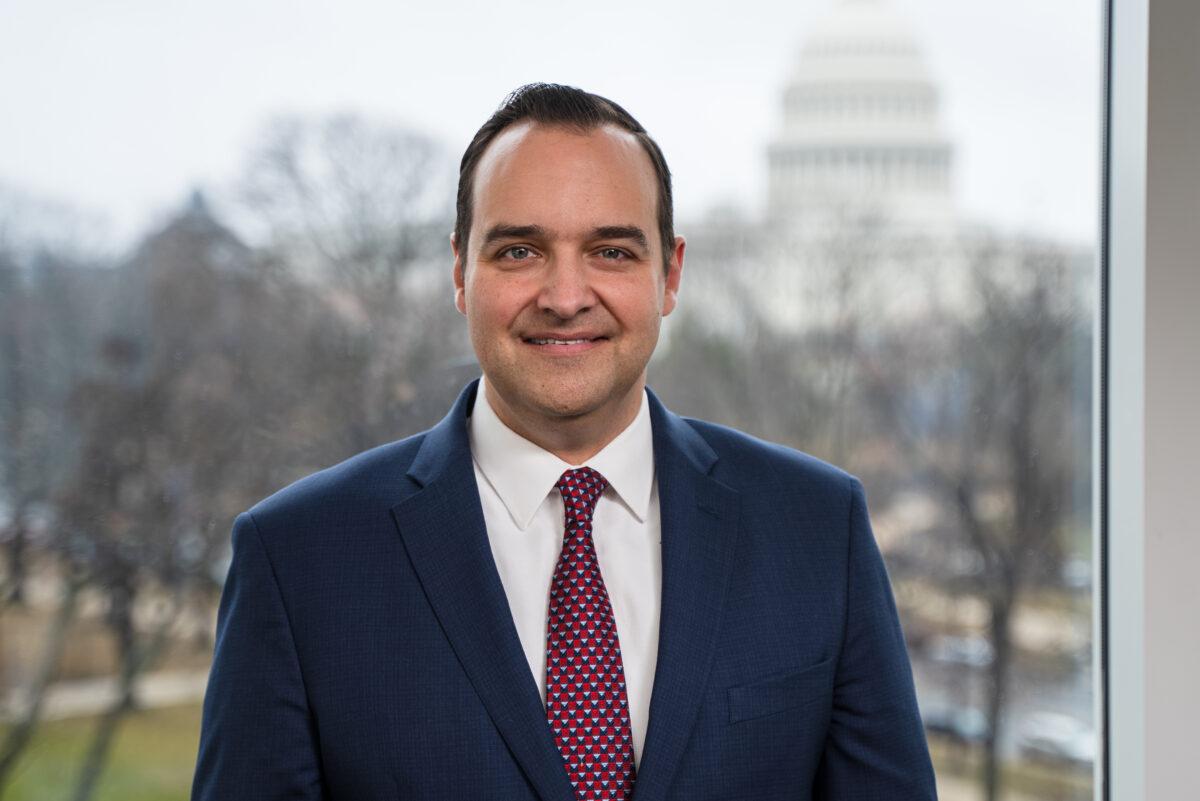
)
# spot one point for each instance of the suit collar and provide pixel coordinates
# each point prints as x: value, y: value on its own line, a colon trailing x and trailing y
x: 446, y: 540
x: 674, y: 438
x: 523, y: 474
x: 445, y: 444
x: 699, y: 534
x: 444, y: 534
x: 448, y: 442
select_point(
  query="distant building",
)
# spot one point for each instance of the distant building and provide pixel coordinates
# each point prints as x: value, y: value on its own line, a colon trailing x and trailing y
x: 861, y: 131
x: 193, y: 264
x: 861, y: 223
x: 860, y: 204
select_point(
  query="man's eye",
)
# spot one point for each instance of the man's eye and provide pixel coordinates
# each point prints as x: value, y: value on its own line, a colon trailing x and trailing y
x: 613, y: 253
x: 517, y: 252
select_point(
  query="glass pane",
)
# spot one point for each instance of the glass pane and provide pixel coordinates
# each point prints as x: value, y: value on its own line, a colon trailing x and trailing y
x: 915, y: 303
x: 224, y: 265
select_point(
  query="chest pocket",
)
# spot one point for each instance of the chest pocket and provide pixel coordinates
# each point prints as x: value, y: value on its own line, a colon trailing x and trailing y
x: 798, y: 690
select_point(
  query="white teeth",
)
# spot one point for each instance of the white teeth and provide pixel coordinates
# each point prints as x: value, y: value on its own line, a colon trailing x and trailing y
x: 558, y: 341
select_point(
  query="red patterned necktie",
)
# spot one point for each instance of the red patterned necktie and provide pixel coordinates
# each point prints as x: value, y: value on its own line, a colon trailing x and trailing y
x: 586, y: 704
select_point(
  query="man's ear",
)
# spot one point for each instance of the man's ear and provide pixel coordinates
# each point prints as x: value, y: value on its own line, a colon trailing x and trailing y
x: 460, y: 295
x: 674, y: 275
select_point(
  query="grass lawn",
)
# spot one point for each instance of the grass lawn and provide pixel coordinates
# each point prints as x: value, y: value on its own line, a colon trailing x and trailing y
x: 1020, y: 780
x: 155, y: 754
x: 152, y: 758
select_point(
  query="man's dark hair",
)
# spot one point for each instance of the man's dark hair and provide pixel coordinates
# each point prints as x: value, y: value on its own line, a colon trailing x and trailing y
x: 566, y: 106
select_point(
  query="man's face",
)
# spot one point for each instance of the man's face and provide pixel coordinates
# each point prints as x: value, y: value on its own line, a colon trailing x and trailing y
x: 563, y: 286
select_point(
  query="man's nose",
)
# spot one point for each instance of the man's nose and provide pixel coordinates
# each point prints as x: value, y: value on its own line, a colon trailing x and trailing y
x: 566, y: 290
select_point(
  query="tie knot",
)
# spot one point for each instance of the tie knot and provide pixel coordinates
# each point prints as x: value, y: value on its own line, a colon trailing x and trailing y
x: 581, y: 488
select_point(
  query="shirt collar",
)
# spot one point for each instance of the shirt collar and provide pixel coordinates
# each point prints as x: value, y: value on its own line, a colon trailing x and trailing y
x: 522, y: 473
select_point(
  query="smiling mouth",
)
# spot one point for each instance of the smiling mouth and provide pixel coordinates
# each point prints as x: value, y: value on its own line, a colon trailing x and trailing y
x: 564, y: 346
x: 547, y: 341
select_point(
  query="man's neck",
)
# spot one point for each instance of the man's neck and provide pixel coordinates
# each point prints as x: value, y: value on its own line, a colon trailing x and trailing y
x: 572, y: 439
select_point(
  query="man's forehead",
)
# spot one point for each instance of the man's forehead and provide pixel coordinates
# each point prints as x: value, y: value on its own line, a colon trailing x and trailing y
x: 525, y: 132
x: 529, y: 146
x: 569, y: 166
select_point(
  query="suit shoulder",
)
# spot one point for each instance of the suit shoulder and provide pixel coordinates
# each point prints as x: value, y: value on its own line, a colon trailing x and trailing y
x: 368, y: 479
x: 744, y: 459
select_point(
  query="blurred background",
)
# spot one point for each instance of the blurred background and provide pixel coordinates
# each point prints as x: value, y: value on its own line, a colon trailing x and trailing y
x: 224, y: 264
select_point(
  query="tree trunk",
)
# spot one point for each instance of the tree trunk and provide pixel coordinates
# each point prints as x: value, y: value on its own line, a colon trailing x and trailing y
x: 135, y: 659
x: 1001, y: 636
x: 21, y: 732
x: 14, y: 587
x: 106, y: 729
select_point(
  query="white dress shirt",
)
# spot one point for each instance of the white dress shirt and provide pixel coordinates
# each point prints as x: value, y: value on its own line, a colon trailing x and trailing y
x: 524, y: 516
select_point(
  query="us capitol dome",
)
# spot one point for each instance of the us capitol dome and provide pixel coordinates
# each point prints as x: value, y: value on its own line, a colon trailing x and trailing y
x: 860, y: 210
x: 860, y: 130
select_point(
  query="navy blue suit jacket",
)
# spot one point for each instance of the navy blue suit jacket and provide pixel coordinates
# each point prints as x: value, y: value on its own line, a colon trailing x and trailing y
x: 365, y: 649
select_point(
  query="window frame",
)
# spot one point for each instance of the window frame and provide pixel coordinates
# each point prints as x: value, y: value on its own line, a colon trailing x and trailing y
x: 1148, y: 435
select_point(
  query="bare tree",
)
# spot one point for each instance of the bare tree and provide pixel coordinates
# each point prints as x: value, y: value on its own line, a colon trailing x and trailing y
x: 50, y: 265
x: 363, y: 208
x: 170, y: 442
x: 221, y: 373
x: 1001, y: 446
x: 225, y: 377
x: 51, y: 301
x: 133, y: 510
x: 797, y: 318
x: 975, y: 400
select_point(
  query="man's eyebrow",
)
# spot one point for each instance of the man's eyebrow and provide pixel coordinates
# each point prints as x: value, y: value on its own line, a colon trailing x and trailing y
x: 502, y: 231
x: 623, y: 232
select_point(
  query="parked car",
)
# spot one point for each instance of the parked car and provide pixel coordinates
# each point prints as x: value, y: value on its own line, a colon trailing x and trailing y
x: 971, y: 651
x: 955, y: 723
x: 1057, y: 739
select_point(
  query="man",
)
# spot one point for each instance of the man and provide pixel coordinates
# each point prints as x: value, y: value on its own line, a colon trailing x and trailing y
x: 562, y: 590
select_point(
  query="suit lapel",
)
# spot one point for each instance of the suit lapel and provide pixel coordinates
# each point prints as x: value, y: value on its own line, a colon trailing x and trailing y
x: 446, y: 539
x: 699, y: 531
x: 444, y: 533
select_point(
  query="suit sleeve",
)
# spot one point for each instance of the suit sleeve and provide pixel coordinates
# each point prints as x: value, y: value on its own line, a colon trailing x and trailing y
x: 875, y: 748
x: 257, y: 738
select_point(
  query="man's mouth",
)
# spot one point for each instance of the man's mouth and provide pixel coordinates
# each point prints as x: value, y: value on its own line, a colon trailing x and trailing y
x: 563, y: 345
x: 551, y: 341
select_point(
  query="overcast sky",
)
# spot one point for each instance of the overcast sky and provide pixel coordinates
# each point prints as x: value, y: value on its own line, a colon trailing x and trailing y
x: 121, y: 106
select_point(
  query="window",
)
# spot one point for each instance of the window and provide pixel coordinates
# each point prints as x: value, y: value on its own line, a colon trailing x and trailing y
x: 909, y: 293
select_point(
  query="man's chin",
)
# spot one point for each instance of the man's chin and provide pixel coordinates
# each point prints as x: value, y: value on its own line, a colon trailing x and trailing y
x: 563, y: 395
x: 571, y: 403
x: 568, y: 407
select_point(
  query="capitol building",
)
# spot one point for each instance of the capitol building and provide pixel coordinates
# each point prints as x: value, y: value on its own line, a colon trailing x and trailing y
x: 860, y: 207
x: 861, y: 129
